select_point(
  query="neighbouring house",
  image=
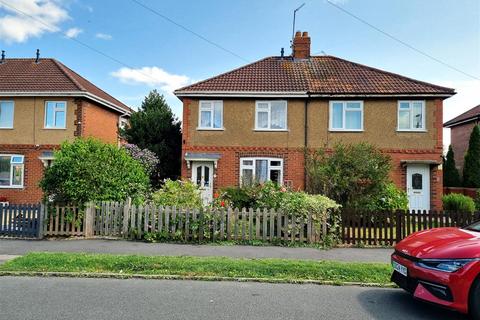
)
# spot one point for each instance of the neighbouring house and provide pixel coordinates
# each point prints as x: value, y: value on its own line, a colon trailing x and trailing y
x: 460, y: 129
x: 42, y: 104
x: 254, y: 123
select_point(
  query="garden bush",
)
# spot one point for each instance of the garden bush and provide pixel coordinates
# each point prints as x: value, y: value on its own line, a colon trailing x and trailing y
x: 458, y: 202
x: 178, y: 193
x: 477, y: 201
x: 90, y: 170
x: 389, y: 198
x: 147, y: 158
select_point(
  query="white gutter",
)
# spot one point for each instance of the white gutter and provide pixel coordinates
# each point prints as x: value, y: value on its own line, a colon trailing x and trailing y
x: 83, y: 94
x: 298, y: 94
x: 471, y: 119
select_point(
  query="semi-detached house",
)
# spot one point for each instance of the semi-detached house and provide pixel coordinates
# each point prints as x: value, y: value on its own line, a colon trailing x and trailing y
x: 42, y: 104
x: 254, y: 123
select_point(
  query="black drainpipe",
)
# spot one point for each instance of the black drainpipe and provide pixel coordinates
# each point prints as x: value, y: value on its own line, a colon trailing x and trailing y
x: 305, y: 125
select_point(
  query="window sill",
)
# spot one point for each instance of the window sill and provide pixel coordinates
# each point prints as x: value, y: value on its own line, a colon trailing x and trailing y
x: 271, y: 130
x: 45, y: 128
x: 418, y: 131
x: 6, y: 128
x: 345, y: 130
x: 210, y: 129
x: 11, y: 187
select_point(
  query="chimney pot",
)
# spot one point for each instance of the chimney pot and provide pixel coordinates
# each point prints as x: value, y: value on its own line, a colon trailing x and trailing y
x: 301, y: 46
x: 2, y: 60
x: 37, y: 59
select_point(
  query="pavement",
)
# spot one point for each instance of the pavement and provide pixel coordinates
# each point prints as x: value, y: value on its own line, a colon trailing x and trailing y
x: 21, y: 247
x: 83, y: 299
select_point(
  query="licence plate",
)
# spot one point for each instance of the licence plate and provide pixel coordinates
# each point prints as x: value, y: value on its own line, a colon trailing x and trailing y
x: 400, y: 268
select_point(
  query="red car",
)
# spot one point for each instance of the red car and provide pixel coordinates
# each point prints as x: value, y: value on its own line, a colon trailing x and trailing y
x: 441, y: 266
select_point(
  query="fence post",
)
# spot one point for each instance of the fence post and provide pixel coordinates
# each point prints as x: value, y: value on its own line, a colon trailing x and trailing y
x: 41, y: 216
x: 126, y: 211
x: 88, y: 220
x: 399, y: 225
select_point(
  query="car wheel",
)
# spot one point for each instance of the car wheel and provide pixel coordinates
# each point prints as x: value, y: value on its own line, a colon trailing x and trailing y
x: 474, y: 304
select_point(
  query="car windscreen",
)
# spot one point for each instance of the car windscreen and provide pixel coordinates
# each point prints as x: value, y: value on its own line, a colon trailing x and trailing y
x: 474, y: 226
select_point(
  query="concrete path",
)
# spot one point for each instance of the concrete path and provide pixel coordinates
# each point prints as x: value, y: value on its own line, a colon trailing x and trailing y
x: 109, y: 299
x: 5, y: 257
x: 20, y: 247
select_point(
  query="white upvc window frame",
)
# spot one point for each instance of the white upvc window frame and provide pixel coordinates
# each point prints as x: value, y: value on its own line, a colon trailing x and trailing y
x: 55, y: 111
x: 13, y: 113
x: 269, y: 167
x: 410, y: 109
x: 22, y: 163
x: 210, y: 108
x: 269, y: 121
x: 345, y: 109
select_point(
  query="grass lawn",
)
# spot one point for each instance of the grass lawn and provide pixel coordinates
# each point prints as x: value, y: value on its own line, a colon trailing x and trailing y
x: 190, y: 267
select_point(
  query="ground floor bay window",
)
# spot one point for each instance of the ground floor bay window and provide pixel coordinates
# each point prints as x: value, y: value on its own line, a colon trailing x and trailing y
x: 259, y: 170
x: 11, y: 171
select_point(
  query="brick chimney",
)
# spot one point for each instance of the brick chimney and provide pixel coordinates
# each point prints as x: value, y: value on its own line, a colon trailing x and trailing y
x: 301, y: 45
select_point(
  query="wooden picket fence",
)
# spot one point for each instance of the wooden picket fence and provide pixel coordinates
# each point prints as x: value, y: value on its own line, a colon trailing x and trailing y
x: 389, y: 227
x: 22, y: 221
x: 63, y: 221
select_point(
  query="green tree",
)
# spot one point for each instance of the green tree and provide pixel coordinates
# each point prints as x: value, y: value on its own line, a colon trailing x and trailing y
x: 451, y: 177
x: 154, y: 127
x: 90, y: 170
x: 471, y: 167
x: 349, y: 174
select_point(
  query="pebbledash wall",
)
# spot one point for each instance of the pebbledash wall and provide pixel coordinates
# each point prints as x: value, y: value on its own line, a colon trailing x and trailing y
x: 380, y: 118
x: 29, y: 137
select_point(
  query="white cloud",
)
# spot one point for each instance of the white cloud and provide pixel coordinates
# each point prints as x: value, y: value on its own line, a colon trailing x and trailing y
x: 73, y: 32
x: 18, y: 27
x: 467, y: 97
x: 152, y: 76
x: 103, y: 36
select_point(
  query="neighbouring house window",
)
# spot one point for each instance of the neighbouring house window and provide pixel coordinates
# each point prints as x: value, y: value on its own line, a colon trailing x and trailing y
x: 346, y: 115
x: 6, y: 114
x: 11, y: 171
x: 210, y: 115
x: 411, y: 115
x: 259, y: 170
x: 271, y: 115
x: 55, y: 115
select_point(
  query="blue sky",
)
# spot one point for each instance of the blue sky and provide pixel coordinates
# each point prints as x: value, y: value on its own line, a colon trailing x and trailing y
x: 446, y: 29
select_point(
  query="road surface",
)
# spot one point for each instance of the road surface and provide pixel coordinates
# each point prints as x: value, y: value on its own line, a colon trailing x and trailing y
x: 65, y: 298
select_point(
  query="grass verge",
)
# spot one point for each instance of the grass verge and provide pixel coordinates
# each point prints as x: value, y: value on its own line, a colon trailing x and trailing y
x: 203, y: 268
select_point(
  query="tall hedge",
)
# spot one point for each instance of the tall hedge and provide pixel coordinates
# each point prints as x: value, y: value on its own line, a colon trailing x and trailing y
x: 471, y: 167
x: 90, y: 170
x: 451, y: 177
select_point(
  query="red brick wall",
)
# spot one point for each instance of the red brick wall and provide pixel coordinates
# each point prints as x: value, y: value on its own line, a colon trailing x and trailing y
x: 460, y: 135
x: 33, y: 172
x: 98, y: 122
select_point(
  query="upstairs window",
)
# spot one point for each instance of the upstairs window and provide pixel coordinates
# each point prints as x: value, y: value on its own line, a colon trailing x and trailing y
x: 259, y: 170
x: 271, y: 115
x: 210, y: 115
x: 411, y: 115
x: 346, y: 115
x: 55, y: 115
x: 6, y: 114
x: 11, y: 171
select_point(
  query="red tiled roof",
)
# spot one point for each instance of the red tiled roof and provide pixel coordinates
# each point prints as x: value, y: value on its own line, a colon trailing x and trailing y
x: 317, y: 75
x: 50, y: 76
x: 471, y: 114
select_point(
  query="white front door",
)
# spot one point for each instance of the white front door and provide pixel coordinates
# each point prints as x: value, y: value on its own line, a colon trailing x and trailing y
x: 202, y: 176
x: 418, y: 186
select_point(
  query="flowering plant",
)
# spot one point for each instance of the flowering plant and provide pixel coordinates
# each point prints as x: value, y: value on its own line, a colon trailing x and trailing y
x: 147, y: 158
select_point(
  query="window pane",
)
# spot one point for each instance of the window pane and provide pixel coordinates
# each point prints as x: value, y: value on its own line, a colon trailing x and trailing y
x: 205, y: 119
x: 262, y: 120
x: 337, y: 115
x: 275, y: 163
x: 6, y: 114
x: 50, y: 115
x: 17, y: 159
x: 206, y: 178
x: 279, y: 115
x: 275, y: 176
x: 217, y: 115
x: 404, y: 119
x: 17, y: 175
x: 261, y: 171
x: 353, y: 105
x: 248, y: 162
x: 60, y: 119
x: 353, y: 120
x: 417, y: 181
x: 199, y: 176
x: 417, y: 115
x: 4, y: 171
x: 404, y: 105
x: 60, y: 106
x: 247, y: 177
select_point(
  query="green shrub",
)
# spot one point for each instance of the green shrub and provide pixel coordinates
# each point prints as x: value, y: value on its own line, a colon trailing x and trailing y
x: 266, y: 195
x: 389, y: 198
x: 458, y: 202
x: 90, y: 170
x: 471, y: 167
x: 477, y: 200
x: 451, y: 177
x: 181, y: 194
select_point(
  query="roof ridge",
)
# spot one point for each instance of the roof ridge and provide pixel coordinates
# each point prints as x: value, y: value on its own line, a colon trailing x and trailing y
x: 388, y: 72
x: 224, y: 73
x: 63, y: 68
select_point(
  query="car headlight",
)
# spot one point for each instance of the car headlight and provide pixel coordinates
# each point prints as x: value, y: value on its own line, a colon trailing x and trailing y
x: 446, y: 265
